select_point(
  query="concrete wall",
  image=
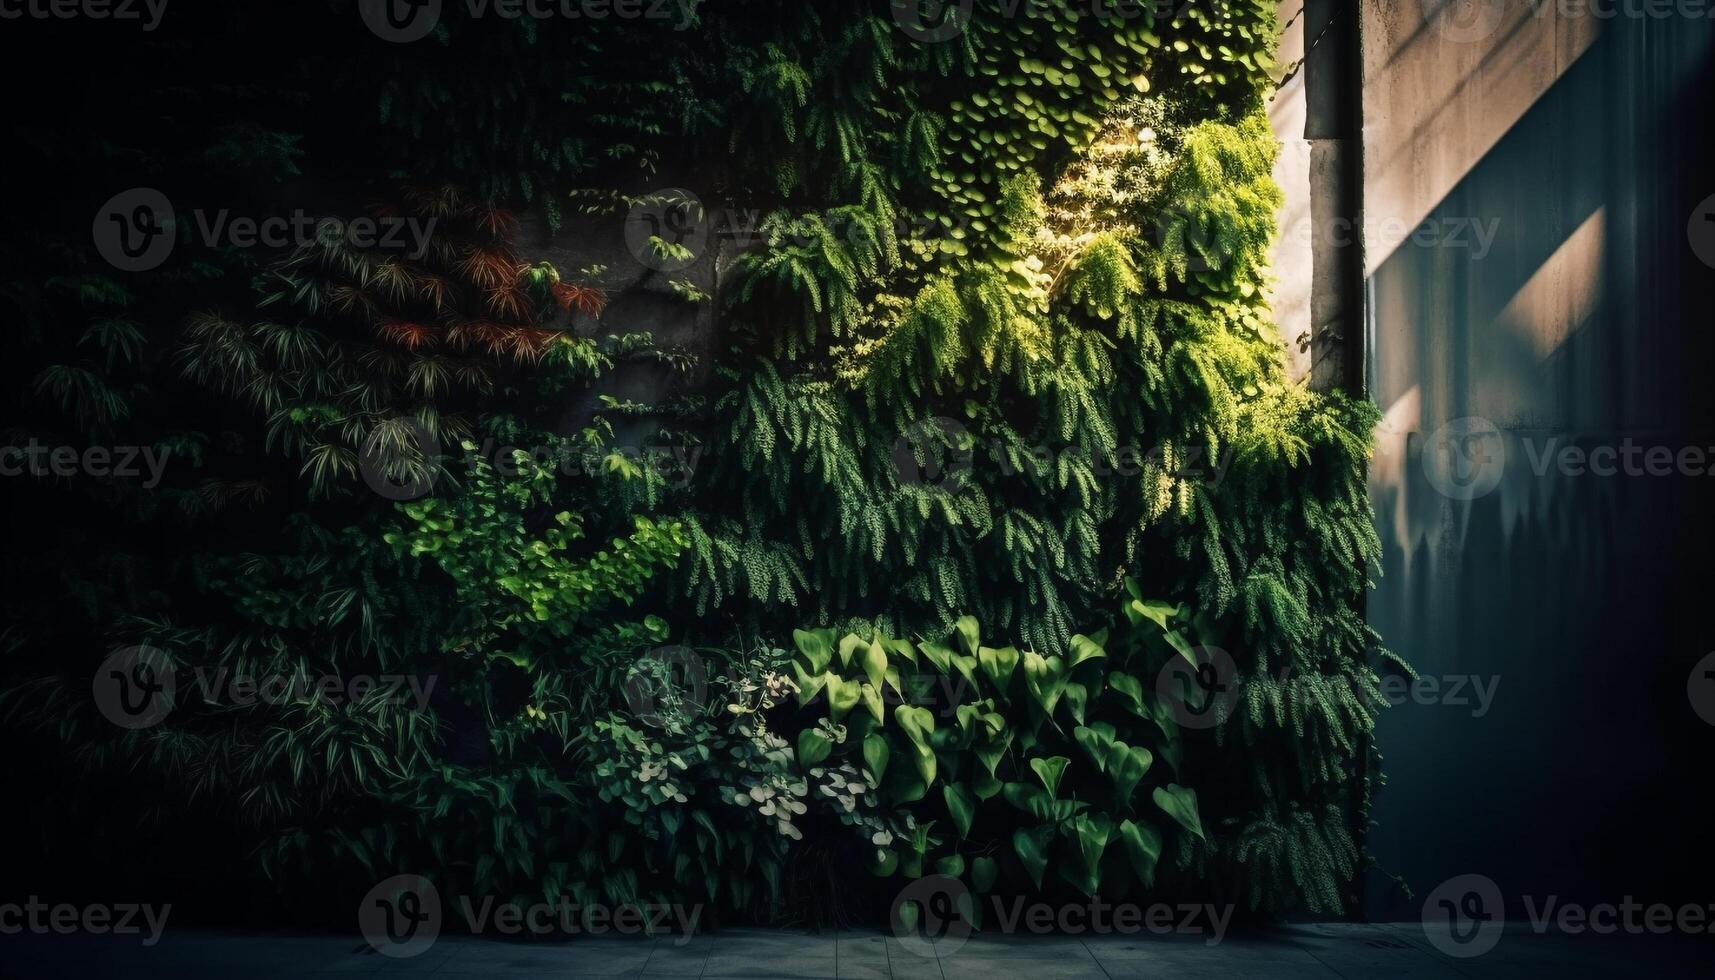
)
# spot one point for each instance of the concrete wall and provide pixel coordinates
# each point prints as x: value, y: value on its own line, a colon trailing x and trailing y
x: 1317, y: 297
x: 1533, y: 179
x: 1294, y: 259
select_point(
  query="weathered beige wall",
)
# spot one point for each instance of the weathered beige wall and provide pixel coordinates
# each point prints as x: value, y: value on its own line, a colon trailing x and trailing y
x: 1444, y: 82
x: 1293, y: 261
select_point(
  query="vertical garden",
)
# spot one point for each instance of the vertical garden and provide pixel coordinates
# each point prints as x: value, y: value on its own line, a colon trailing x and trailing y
x: 972, y: 527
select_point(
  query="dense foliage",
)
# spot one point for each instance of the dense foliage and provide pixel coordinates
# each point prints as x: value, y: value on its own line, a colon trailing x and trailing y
x: 998, y: 364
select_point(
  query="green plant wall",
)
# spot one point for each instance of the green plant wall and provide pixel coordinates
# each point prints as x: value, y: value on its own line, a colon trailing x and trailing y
x: 996, y: 431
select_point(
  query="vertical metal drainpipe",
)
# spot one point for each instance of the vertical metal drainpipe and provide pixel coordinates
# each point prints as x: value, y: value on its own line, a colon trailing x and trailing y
x: 1341, y: 327
x: 1333, y: 77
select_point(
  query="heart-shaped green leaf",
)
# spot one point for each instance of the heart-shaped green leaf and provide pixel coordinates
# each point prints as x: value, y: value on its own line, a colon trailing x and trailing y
x: 991, y: 752
x: 1031, y: 846
x: 872, y: 701
x: 900, y: 648
x: 1092, y: 833
x: 1143, y: 846
x: 1097, y: 741
x: 918, y: 724
x: 843, y: 696
x: 967, y: 716
x: 906, y: 786
x: 1153, y: 610
x: 1075, y: 697
x: 984, y: 870
x: 1049, y: 771
x: 909, y: 915
x: 1046, y: 679
x: 876, y: 754
x: 1159, y: 712
x: 967, y: 669
x: 1031, y: 799
x: 809, y: 685
x: 1177, y: 641
x: 813, y: 747
x: 1128, y: 690
x: 1085, y: 649
x: 816, y: 647
x: 938, y: 654
x: 1180, y: 804
x: 851, y: 644
x: 998, y: 665
x: 961, y: 806
x: 884, y: 864
x: 874, y: 663
x: 968, y: 634
x: 1127, y: 766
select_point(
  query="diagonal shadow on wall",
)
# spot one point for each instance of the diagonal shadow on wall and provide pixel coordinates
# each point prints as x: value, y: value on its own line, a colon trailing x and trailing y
x: 1585, y: 324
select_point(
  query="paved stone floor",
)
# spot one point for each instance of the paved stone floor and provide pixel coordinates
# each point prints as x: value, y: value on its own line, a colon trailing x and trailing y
x: 1294, y: 953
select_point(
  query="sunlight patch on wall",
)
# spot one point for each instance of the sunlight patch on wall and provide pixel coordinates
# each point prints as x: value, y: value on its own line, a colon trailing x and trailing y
x: 1479, y: 73
x: 1564, y: 293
